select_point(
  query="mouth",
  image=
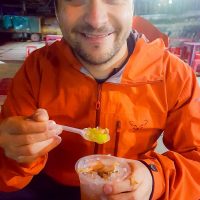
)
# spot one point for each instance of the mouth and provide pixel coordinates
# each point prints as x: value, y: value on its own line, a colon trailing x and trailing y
x: 99, y: 35
x: 95, y: 38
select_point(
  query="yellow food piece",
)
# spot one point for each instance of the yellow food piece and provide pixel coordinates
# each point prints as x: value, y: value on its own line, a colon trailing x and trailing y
x: 97, y: 135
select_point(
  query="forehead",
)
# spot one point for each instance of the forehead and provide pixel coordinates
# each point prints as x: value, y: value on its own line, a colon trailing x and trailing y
x: 56, y: 1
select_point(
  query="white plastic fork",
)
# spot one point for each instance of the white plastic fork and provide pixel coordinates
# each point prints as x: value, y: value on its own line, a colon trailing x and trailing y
x: 81, y: 132
x: 101, y: 135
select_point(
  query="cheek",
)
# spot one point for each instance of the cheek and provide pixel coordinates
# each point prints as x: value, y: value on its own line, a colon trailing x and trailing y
x: 124, y: 19
x: 68, y: 18
x: 66, y: 25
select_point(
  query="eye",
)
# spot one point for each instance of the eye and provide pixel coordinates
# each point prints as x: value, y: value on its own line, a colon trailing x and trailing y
x: 115, y: 1
x: 76, y: 2
x: 81, y: 2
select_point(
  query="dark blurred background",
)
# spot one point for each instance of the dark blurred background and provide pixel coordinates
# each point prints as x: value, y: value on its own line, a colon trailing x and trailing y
x: 177, y: 18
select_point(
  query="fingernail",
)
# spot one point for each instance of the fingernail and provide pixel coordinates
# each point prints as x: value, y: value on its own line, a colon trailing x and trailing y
x: 58, y: 130
x: 51, y: 124
x: 58, y: 138
x: 38, y: 112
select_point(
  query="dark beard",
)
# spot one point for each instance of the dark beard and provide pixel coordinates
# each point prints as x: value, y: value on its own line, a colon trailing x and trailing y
x: 102, y: 59
x: 95, y: 60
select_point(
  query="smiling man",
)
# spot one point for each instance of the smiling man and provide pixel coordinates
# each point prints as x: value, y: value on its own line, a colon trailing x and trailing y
x: 101, y: 74
x: 96, y: 32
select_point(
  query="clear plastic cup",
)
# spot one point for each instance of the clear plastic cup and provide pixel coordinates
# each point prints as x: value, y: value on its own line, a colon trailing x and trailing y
x: 97, y: 170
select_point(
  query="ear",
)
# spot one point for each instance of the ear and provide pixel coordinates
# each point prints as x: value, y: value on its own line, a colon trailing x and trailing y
x: 133, y: 6
x: 56, y: 11
x: 56, y: 14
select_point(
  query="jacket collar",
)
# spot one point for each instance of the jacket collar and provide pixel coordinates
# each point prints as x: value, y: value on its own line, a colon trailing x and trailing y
x: 145, y: 63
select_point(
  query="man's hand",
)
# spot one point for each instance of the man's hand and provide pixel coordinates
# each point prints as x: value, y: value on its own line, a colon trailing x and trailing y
x: 136, y: 187
x: 24, y: 139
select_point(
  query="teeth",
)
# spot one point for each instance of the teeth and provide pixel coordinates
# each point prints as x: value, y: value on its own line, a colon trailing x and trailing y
x: 95, y: 36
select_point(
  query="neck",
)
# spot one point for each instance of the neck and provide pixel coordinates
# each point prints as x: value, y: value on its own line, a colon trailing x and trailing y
x: 102, y: 71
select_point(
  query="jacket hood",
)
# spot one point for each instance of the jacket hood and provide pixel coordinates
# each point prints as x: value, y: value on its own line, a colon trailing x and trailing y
x: 145, y: 64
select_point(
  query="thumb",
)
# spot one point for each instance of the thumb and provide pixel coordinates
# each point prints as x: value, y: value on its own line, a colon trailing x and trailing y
x: 118, y: 187
x: 40, y: 115
x: 107, y: 189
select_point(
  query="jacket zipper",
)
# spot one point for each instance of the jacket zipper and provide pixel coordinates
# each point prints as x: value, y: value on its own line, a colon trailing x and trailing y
x: 98, y: 107
x: 118, y: 123
x: 117, y: 131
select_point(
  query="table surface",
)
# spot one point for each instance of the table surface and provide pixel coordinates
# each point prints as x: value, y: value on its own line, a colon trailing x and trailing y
x: 8, y: 70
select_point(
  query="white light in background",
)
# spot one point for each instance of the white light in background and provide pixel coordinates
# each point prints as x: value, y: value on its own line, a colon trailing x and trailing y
x: 1, y: 62
x: 170, y: 2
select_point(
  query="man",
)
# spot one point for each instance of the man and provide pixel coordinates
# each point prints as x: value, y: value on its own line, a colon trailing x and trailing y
x: 102, y: 74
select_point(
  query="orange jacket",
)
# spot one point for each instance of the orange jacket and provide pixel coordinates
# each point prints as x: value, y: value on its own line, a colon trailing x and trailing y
x: 154, y: 92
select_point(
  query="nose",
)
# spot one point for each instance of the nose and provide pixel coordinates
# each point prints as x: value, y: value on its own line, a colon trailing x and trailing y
x: 96, y: 14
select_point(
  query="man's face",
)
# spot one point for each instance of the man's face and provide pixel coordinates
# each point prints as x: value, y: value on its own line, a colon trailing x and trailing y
x: 95, y: 29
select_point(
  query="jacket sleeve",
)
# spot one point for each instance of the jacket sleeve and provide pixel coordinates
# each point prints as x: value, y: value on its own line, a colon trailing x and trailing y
x: 177, y: 172
x: 21, y: 100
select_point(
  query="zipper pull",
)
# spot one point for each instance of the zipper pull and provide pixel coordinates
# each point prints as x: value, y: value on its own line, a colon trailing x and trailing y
x: 98, y: 105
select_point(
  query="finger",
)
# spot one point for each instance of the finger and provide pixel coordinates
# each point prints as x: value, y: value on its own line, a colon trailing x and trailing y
x: 32, y: 152
x: 118, y: 187
x: 26, y: 159
x: 144, y: 195
x: 15, y: 125
x: 122, y: 196
x: 21, y: 140
x: 40, y: 115
x: 21, y: 126
x: 36, y: 148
